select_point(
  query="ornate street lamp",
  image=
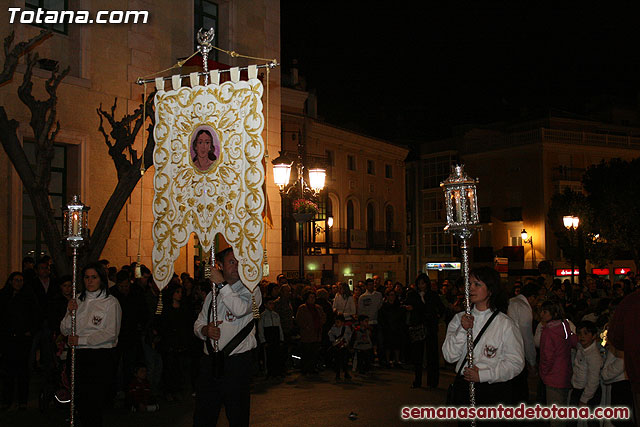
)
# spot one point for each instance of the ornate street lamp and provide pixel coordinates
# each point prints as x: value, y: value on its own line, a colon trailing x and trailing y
x: 281, y: 175
x: 462, y: 221
x: 571, y: 223
x: 529, y: 239
x: 75, y: 230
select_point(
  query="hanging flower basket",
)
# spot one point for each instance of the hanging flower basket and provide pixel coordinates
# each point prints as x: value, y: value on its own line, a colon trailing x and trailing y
x: 303, y: 217
x: 304, y: 210
x: 304, y: 206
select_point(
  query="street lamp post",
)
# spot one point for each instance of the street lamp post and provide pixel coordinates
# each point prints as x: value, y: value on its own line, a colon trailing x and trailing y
x: 281, y: 175
x: 571, y: 223
x: 529, y: 239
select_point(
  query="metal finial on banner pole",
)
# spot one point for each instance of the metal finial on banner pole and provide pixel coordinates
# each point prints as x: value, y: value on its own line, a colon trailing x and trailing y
x: 462, y: 221
x: 204, y: 39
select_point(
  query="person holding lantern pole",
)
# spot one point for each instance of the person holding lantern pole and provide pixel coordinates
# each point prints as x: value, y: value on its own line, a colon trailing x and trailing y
x: 499, y: 354
x: 98, y: 317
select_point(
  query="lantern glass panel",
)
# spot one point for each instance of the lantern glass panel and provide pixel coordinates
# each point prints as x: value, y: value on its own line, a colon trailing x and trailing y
x: 281, y: 174
x: 317, y: 178
x: 65, y: 223
x: 472, y: 203
x: 457, y: 206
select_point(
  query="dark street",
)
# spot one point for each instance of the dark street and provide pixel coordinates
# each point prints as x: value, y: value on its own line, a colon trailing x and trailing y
x: 298, y: 401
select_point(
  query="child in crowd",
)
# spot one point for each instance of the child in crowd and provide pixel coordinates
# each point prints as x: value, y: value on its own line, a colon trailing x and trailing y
x: 271, y: 337
x: 363, y: 345
x: 586, y: 369
x: 556, y: 343
x: 340, y: 335
x: 139, y: 392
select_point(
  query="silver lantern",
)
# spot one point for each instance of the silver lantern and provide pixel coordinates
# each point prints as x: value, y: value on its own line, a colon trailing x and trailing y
x: 462, y: 203
x: 75, y: 224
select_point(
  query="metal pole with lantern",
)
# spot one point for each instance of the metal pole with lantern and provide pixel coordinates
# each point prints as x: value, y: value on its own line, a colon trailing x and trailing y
x: 75, y: 230
x: 281, y: 175
x: 462, y: 221
x: 571, y: 223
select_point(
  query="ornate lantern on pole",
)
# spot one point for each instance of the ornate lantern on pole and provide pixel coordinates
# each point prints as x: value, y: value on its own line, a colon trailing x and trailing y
x: 75, y: 230
x: 462, y: 221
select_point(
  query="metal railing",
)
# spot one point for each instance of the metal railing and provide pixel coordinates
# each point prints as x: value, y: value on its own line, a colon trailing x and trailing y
x: 555, y: 136
x: 340, y: 238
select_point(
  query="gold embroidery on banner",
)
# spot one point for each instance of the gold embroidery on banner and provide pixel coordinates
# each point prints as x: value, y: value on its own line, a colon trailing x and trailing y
x: 227, y: 197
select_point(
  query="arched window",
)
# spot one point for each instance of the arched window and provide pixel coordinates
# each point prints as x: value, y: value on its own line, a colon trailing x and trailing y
x: 388, y: 219
x: 350, y: 221
x: 388, y: 227
x: 370, y: 225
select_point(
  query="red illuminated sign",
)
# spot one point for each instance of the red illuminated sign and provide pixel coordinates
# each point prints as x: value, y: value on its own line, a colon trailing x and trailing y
x: 623, y: 270
x: 600, y: 271
x: 567, y: 272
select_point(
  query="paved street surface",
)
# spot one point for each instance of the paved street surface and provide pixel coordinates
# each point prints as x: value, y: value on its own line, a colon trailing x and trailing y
x: 298, y: 401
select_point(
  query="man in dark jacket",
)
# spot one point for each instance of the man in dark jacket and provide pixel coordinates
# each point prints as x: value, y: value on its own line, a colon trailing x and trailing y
x: 134, y: 319
x: 425, y: 309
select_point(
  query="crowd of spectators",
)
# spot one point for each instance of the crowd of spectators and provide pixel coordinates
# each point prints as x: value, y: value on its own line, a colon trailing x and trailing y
x: 370, y: 325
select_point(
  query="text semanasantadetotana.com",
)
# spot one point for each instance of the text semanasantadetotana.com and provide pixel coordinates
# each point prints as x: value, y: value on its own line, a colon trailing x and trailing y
x: 523, y: 411
x: 43, y: 16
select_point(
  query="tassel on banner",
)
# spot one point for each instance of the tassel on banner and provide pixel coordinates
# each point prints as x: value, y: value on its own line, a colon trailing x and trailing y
x: 159, y: 306
x: 138, y: 269
x: 265, y: 264
x: 254, y: 306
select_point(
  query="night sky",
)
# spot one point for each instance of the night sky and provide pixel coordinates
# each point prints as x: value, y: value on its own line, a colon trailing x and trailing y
x: 410, y: 73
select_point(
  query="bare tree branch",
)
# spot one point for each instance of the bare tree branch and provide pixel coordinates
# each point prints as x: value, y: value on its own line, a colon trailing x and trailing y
x: 128, y: 175
x: 12, y: 56
x: 45, y: 128
x: 119, y: 140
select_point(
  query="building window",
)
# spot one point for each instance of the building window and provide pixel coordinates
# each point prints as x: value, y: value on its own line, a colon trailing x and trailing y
x: 433, y: 208
x: 330, y: 158
x: 205, y: 16
x: 388, y: 171
x: 371, y: 223
x: 33, y: 243
x: 371, y: 167
x: 350, y: 221
x: 58, y: 5
x: 437, y: 242
x: 351, y: 162
x: 436, y: 170
x: 513, y: 214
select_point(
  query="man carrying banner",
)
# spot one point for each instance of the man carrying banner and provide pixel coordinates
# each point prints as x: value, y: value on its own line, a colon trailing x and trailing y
x: 225, y: 374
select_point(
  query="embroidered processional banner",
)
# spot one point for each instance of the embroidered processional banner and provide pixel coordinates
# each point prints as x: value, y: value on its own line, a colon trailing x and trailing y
x: 208, y: 171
